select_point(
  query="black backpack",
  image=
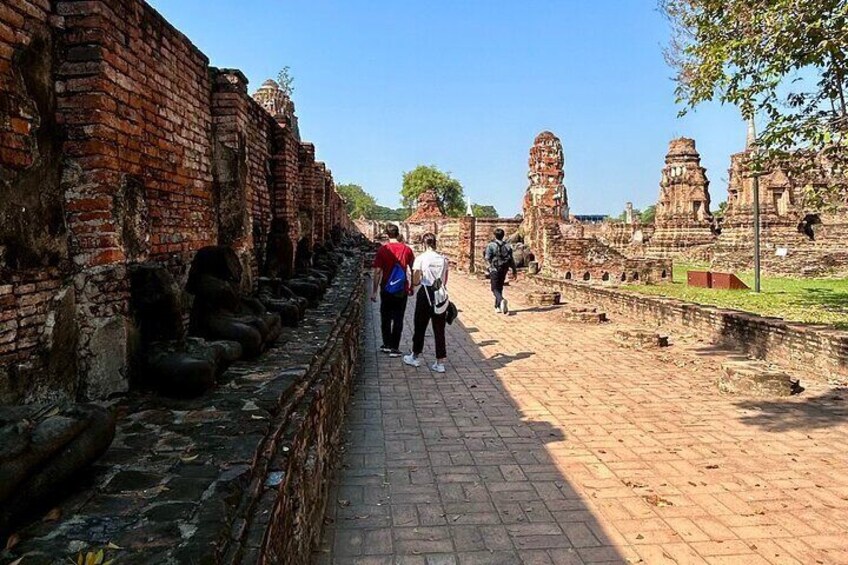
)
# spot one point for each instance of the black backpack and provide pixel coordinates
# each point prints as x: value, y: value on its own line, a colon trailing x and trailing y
x: 501, y: 256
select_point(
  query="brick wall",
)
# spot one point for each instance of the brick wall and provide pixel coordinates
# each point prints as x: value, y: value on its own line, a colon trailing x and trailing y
x: 285, y: 169
x: 34, y: 262
x: 484, y: 233
x: 804, y: 348
x: 118, y: 144
x: 243, y: 145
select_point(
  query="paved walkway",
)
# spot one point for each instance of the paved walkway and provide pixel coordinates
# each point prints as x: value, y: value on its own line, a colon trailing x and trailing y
x: 545, y: 442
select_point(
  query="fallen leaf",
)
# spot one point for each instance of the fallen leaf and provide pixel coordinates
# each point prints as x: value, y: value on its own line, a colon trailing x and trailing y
x: 656, y: 500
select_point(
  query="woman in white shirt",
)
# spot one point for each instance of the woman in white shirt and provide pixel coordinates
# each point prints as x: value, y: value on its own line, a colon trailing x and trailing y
x: 430, y: 270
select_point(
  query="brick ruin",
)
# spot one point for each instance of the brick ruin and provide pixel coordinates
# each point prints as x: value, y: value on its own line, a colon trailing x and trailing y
x: 428, y: 208
x: 683, y: 219
x: 796, y: 239
x: 799, y: 237
x: 120, y: 145
x: 153, y: 214
x: 560, y: 244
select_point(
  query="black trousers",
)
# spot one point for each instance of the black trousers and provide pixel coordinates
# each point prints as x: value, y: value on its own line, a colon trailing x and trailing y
x: 392, y: 310
x: 497, y: 280
x: 423, y: 316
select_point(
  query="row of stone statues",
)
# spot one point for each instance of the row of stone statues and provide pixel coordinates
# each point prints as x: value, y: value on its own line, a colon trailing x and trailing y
x: 225, y: 324
x: 43, y: 447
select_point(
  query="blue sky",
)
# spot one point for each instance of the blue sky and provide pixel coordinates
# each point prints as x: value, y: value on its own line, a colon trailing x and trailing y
x: 465, y: 85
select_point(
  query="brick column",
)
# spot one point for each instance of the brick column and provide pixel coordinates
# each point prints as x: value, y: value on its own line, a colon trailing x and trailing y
x: 467, y: 236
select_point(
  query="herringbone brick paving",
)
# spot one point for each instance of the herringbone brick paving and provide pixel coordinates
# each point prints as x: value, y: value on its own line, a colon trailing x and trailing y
x: 546, y: 442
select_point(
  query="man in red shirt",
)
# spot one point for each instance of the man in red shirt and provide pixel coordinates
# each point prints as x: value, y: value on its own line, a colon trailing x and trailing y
x: 392, y: 304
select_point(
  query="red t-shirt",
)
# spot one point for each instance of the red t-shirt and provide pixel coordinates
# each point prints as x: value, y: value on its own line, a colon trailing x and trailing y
x: 392, y: 253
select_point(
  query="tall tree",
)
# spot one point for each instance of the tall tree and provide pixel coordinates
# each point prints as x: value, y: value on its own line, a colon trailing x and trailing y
x: 357, y: 202
x: 389, y: 214
x: 647, y: 215
x: 782, y: 60
x: 484, y: 211
x: 447, y: 189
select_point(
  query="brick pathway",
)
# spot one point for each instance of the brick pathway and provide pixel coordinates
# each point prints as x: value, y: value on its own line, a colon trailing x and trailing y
x: 545, y: 442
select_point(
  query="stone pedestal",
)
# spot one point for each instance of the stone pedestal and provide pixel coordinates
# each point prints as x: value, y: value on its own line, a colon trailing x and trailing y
x: 754, y: 378
x: 640, y: 338
x: 584, y: 314
x: 542, y: 298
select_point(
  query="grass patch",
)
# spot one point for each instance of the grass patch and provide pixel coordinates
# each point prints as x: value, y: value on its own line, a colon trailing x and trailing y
x: 813, y: 301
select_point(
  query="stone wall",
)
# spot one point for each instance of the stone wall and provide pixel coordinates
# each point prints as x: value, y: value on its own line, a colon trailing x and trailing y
x: 588, y: 259
x: 801, y: 347
x: 119, y: 145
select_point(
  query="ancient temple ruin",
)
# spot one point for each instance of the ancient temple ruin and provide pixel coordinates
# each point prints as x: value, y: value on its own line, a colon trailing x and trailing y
x: 798, y: 237
x: 683, y: 219
x: 427, y: 209
x: 158, y: 225
x: 560, y: 244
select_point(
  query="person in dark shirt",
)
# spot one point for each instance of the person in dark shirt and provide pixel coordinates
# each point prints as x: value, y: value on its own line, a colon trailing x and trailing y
x: 392, y: 304
x: 498, y: 256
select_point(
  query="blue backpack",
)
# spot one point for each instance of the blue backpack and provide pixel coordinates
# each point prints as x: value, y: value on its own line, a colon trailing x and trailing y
x: 396, y: 283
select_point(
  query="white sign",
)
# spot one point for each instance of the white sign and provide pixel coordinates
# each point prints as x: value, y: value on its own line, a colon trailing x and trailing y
x: 781, y: 251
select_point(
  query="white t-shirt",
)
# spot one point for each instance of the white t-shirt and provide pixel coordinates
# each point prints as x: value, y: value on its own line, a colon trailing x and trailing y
x: 432, y: 266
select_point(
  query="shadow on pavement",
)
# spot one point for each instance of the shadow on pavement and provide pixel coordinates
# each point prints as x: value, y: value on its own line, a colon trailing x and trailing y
x: 816, y: 412
x: 448, y: 468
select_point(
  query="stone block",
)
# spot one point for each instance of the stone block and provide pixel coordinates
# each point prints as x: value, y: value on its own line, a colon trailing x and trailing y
x: 640, y: 338
x: 584, y: 314
x: 542, y: 298
x: 754, y: 378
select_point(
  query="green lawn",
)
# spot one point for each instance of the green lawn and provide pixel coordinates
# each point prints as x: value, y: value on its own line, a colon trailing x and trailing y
x: 816, y: 301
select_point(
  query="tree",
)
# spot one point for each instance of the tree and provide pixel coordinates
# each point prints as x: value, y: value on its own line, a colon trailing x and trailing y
x: 484, y: 211
x: 447, y: 189
x: 721, y: 210
x: 648, y: 214
x: 783, y: 60
x: 385, y: 213
x: 357, y: 202
x: 286, y: 81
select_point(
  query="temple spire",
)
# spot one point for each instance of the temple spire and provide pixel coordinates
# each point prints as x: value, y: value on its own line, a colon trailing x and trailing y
x: 751, y: 136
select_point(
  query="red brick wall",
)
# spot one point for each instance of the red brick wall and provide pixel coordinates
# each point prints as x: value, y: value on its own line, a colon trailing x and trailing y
x: 134, y: 94
x: 20, y: 23
x: 243, y: 136
x: 33, y: 242
x: 286, y: 191
x: 118, y: 145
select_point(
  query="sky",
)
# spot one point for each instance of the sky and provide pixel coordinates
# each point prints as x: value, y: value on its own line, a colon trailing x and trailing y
x: 381, y: 87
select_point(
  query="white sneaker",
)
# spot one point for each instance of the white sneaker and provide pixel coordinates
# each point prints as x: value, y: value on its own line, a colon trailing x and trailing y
x: 497, y: 309
x: 504, y: 306
x: 438, y: 367
x: 411, y: 360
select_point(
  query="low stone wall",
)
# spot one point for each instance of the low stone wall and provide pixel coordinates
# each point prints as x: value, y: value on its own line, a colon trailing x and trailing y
x: 237, y: 476
x: 806, y: 348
